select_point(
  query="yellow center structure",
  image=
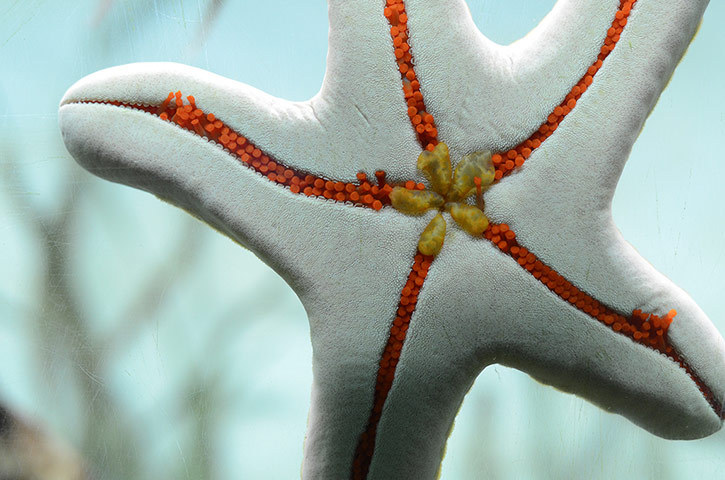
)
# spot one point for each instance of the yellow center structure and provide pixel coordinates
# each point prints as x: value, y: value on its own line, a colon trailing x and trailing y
x: 448, y: 192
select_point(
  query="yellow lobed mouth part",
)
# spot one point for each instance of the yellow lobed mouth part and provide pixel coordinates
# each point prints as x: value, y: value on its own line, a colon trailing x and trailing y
x: 450, y: 189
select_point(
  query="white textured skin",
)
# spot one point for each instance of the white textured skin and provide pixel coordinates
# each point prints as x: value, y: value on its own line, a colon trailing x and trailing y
x: 496, y: 314
x: 358, y: 121
x: 490, y: 96
x: 477, y: 306
x: 350, y: 302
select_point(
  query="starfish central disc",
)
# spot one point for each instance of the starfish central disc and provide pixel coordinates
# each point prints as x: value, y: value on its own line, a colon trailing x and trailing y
x: 450, y: 189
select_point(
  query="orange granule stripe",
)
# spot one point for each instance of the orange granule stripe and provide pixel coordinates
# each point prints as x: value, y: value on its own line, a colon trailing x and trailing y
x: 189, y: 117
x: 422, y: 121
x: 506, y: 162
x: 647, y: 329
x: 388, y: 363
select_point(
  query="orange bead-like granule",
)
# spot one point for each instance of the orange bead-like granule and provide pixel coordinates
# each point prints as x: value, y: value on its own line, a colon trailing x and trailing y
x: 423, y: 122
x: 207, y: 125
x: 644, y: 328
x: 389, y: 361
x: 507, y: 162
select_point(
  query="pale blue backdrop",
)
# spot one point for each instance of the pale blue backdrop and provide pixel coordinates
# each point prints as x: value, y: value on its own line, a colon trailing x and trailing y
x: 160, y: 349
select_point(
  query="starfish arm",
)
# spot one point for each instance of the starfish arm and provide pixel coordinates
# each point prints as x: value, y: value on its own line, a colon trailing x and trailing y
x: 129, y: 146
x: 336, y: 134
x: 349, y: 279
x: 254, y: 113
x: 350, y: 312
x: 599, y: 132
x: 362, y: 92
x: 498, y: 315
x: 563, y: 193
x: 523, y: 82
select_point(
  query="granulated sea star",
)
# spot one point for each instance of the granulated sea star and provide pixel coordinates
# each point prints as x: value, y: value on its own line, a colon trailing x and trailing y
x: 550, y: 287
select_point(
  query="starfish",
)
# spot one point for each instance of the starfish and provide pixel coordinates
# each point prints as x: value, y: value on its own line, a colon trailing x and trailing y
x: 399, y: 331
